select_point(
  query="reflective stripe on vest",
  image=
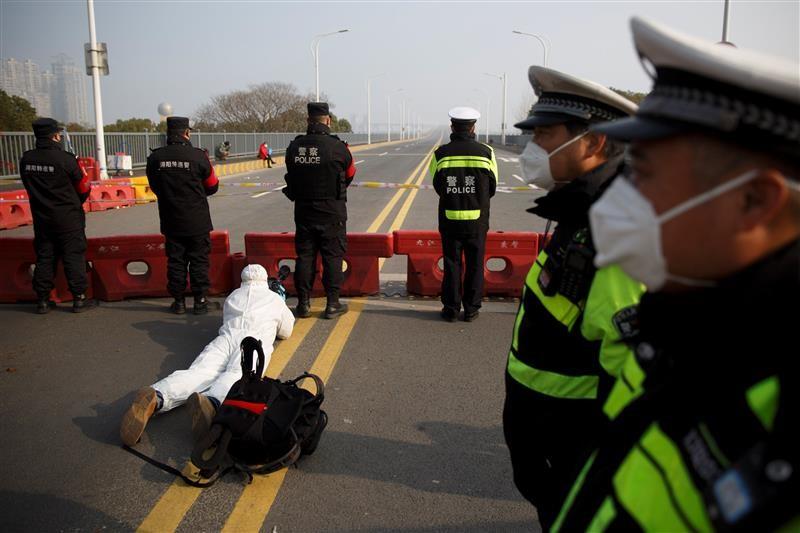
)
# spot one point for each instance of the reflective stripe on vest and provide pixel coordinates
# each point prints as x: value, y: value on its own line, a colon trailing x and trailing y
x: 627, y: 388
x: 466, y: 161
x: 466, y: 214
x: 543, y: 381
x: 553, y: 383
x: 604, y: 516
x: 576, y: 487
x: 763, y: 400
x: 656, y: 489
x: 562, y: 309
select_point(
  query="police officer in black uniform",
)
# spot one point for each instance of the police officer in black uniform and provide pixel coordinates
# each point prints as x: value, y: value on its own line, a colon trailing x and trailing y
x: 465, y: 178
x: 704, y: 433
x: 57, y: 188
x: 319, y: 169
x: 182, y: 178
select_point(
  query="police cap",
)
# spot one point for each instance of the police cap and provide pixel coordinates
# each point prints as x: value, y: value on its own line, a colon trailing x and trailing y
x: 318, y: 109
x: 45, y: 127
x: 463, y: 115
x: 178, y: 124
x: 739, y: 95
x: 564, y: 98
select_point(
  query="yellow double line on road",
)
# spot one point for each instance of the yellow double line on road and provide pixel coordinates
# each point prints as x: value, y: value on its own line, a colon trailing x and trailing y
x: 257, y: 498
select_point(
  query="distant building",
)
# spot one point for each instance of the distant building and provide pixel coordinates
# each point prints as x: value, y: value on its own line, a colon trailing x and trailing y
x: 59, y: 93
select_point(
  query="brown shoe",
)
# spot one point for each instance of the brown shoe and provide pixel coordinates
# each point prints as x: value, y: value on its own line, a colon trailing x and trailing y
x: 202, y: 412
x: 137, y: 415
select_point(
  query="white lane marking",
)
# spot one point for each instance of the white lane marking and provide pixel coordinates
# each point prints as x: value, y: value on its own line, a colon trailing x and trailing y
x: 504, y: 191
x: 396, y: 149
x: 514, y: 159
x: 504, y: 159
x: 259, y: 195
x: 384, y: 153
x: 357, y: 162
x: 531, y: 185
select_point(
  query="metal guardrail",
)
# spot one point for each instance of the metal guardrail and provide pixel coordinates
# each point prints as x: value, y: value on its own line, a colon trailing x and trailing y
x: 138, y: 145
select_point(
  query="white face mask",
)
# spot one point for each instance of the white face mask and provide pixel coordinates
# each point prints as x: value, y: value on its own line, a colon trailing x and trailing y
x: 627, y: 231
x: 535, y: 163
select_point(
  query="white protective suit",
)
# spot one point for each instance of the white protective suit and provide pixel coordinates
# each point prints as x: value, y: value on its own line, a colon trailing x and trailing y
x: 251, y: 310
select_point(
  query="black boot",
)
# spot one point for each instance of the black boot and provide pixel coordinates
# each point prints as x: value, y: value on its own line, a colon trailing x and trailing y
x: 200, y: 305
x: 303, y: 309
x: 80, y: 303
x: 178, y: 306
x: 43, y: 305
x: 334, y: 309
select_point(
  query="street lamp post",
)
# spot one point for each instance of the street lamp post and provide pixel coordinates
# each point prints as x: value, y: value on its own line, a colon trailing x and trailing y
x: 98, y: 101
x: 502, y: 77
x: 486, y: 119
x: 315, y: 53
x: 540, y: 38
x: 389, y: 114
x: 725, y: 21
x: 369, y: 107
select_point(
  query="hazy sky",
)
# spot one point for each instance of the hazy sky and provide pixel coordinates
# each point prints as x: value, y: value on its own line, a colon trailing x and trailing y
x: 185, y: 52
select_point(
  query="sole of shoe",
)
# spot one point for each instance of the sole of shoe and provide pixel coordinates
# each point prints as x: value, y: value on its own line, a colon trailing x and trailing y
x: 202, y: 413
x: 138, y: 414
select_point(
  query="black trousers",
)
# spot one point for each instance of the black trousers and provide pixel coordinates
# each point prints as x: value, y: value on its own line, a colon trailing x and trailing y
x: 472, y: 248
x: 191, y: 252
x: 70, y: 247
x: 330, y: 241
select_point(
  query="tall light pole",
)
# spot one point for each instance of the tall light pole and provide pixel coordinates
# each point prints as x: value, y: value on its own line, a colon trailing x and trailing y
x: 315, y: 52
x: 98, y: 101
x: 389, y: 114
x: 540, y: 38
x: 502, y: 77
x: 369, y: 107
x: 486, y: 119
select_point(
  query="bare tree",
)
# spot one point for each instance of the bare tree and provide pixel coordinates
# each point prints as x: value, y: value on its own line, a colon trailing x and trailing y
x: 272, y: 106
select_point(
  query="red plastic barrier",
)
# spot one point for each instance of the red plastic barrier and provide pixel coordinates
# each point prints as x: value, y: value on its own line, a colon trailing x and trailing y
x: 238, y: 262
x: 16, y: 281
x: 15, y: 210
x: 90, y: 166
x: 517, y: 250
x: 361, y: 260
x: 109, y: 196
x: 112, y: 255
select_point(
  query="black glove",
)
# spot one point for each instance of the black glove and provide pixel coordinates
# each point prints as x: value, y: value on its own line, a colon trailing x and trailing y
x: 288, y: 193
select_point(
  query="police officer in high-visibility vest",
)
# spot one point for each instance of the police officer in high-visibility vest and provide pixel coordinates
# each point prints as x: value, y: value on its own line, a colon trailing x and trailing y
x: 464, y: 175
x: 566, y: 351
x: 704, y: 436
x: 183, y: 178
x: 319, y: 169
x: 57, y: 188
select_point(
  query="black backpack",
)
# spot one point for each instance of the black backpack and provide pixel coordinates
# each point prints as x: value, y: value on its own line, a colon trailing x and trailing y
x: 262, y: 426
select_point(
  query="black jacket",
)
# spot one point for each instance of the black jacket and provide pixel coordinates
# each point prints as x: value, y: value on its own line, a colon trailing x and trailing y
x: 57, y: 187
x: 464, y: 175
x: 319, y: 168
x: 182, y: 178
x: 708, y: 356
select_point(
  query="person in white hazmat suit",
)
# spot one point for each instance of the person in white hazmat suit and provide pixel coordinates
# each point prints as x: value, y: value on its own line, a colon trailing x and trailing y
x: 251, y: 310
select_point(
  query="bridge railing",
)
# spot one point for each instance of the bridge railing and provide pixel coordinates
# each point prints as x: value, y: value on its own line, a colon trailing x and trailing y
x: 138, y: 145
